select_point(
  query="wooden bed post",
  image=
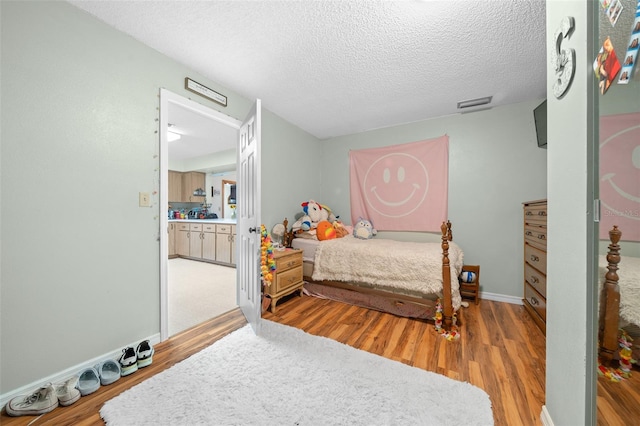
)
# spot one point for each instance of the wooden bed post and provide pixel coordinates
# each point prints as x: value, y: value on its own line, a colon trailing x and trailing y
x: 447, y: 305
x: 610, y: 301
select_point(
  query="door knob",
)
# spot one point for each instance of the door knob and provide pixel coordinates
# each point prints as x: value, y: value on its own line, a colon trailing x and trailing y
x: 253, y: 229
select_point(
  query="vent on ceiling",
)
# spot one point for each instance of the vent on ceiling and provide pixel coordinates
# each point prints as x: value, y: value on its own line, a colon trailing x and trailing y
x: 474, y: 102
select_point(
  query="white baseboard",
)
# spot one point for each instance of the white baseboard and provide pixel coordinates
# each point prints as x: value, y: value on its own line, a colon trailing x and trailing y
x: 65, y: 374
x: 545, y: 417
x: 515, y: 300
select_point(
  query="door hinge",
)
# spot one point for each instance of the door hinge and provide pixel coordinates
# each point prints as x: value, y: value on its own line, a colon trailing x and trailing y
x: 596, y: 210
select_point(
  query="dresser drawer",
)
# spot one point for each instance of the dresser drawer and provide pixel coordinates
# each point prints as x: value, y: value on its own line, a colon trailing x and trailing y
x: 535, y: 213
x: 535, y: 257
x: 536, y: 236
x: 288, y: 278
x: 535, y: 279
x: 288, y: 262
x: 537, y: 302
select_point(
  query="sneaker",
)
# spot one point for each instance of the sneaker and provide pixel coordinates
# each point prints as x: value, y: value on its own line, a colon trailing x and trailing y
x: 66, y: 391
x: 39, y: 402
x: 89, y: 381
x: 128, y: 361
x: 109, y: 372
x: 144, y: 354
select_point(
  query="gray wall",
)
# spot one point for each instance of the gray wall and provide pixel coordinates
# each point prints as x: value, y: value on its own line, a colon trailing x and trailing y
x: 494, y: 166
x: 570, y: 370
x: 79, y: 258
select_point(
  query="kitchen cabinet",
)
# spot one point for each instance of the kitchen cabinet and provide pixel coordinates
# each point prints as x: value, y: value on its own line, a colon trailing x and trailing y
x: 195, y: 240
x: 175, y: 186
x: 182, y: 239
x: 209, y: 242
x: 192, y: 181
x: 173, y: 251
x: 225, y: 243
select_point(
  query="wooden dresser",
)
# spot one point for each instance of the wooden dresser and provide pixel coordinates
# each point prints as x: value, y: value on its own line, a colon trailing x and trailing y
x: 535, y: 261
x: 288, y: 275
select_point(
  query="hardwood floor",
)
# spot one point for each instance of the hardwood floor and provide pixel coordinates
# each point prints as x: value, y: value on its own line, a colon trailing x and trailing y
x: 87, y: 410
x: 500, y: 350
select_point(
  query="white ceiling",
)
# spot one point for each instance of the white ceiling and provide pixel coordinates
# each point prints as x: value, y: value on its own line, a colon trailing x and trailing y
x: 341, y: 67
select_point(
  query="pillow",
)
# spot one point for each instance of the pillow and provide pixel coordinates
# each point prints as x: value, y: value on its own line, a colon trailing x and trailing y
x: 309, y: 235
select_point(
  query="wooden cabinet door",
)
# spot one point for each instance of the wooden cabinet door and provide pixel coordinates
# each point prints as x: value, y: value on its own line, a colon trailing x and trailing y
x: 233, y: 245
x: 172, y: 240
x: 182, y: 242
x: 209, y: 242
x: 175, y: 186
x: 223, y: 248
x: 190, y: 182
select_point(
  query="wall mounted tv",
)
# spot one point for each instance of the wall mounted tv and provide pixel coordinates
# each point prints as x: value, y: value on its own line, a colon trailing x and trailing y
x: 540, y: 117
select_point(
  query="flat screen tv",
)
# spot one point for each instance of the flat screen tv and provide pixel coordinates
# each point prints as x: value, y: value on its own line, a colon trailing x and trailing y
x: 540, y: 116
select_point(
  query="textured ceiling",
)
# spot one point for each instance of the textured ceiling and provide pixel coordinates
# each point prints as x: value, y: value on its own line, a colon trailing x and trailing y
x: 341, y: 67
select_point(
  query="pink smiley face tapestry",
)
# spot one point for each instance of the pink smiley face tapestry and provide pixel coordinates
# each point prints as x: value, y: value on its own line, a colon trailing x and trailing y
x: 401, y: 187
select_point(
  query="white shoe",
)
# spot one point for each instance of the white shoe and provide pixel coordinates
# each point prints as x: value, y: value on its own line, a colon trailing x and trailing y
x: 39, y: 402
x: 144, y: 354
x: 66, y: 392
x: 128, y: 361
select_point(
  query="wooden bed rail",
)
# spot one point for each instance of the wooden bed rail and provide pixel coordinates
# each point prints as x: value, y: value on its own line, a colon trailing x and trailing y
x: 609, y: 315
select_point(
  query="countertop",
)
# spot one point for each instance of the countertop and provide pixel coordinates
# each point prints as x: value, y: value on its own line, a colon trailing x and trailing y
x: 220, y: 221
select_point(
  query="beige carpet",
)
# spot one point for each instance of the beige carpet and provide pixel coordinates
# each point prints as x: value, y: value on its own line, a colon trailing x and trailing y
x: 198, y: 291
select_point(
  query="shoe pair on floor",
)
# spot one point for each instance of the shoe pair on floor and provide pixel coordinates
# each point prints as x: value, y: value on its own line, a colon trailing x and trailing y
x: 132, y: 359
x: 48, y: 397
x: 45, y: 399
x: 103, y: 374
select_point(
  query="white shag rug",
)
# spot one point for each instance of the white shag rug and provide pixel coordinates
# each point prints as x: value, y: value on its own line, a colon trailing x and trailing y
x: 289, y: 377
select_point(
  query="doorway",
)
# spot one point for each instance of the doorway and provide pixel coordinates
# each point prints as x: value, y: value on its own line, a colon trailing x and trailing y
x: 224, y: 133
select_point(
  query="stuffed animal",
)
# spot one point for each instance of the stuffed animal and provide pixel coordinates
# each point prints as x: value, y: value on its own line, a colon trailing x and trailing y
x: 364, y: 229
x: 341, y: 230
x: 313, y: 213
x: 325, y: 231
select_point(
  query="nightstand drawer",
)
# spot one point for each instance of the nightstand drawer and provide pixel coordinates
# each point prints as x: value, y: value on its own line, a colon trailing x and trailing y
x: 288, y: 262
x: 286, y: 279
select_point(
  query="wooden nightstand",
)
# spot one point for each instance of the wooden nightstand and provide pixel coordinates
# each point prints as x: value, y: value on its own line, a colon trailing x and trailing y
x: 471, y: 290
x: 287, y: 277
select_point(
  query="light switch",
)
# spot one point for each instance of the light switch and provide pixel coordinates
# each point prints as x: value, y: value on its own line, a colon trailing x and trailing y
x: 143, y: 199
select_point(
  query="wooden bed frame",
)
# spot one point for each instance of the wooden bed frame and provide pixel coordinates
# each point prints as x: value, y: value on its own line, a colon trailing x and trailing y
x: 609, y: 315
x: 447, y: 305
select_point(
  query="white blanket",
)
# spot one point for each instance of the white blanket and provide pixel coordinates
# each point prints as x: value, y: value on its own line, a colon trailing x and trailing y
x: 629, y: 283
x: 392, y: 264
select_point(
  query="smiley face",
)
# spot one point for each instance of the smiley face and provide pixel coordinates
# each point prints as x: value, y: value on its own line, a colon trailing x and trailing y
x: 620, y: 178
x: 396, y: 184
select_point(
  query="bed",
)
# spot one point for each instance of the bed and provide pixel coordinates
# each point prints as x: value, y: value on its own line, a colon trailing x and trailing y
x: 404, y: 278
x: 619, y: 302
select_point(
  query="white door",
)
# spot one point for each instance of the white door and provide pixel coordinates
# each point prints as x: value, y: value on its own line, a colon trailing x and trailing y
x: 248, y: 217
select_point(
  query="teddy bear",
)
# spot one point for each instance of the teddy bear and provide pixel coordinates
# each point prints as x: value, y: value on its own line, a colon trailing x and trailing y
x: 313, y: 213
x: 364, y: 229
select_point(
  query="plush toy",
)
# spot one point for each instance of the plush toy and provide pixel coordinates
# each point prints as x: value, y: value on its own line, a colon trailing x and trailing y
x: 341, y: 230
x: 313, y: 213
x: 325, y: 231
x: 364, y: 229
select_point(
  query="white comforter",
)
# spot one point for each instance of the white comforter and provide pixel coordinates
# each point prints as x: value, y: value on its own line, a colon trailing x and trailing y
x: 629, y: 283
x: 393, y: 264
